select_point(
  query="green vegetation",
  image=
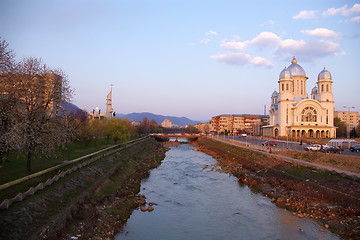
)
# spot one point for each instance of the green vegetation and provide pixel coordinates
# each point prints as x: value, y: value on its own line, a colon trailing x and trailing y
x: 191, y: 129
x: 341, y: 127
x: 14, y: 166
x: 117, y: 175
x: 308, y: 173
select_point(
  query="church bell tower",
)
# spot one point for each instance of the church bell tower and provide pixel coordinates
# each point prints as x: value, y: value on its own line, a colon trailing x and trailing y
x: 109, y: 109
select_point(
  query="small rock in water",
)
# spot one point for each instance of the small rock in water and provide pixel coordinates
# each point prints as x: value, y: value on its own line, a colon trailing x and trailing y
x: 143, y: 208
x: 150, y: 209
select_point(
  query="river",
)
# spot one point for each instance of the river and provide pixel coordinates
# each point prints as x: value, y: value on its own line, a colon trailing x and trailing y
x: 194, y: 201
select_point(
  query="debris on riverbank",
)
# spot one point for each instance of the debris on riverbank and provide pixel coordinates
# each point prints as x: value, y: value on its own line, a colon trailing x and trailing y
x: 331, y: 199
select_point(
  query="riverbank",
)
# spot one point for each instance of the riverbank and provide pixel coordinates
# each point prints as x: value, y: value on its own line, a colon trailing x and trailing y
x: 92, y: 203
x: 331, y: 199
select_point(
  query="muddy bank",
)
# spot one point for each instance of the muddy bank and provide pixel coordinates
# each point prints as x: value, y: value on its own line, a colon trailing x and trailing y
x: 331, y: 199
x: 90, y: 204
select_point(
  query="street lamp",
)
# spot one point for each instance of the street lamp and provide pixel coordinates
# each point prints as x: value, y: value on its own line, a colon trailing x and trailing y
x: 347, y: 122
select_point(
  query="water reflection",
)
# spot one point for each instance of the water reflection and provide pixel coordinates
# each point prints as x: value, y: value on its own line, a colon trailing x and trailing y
x: 197, y: 203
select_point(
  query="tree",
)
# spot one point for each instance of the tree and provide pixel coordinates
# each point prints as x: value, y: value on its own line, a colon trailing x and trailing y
x: 119, y: 129
x: 7, y: 58
x: 154, y: 127
x: 41, y: 91
x: 353, y: 133
x: 191, y: 129
x: 341, y: 127
x: 8, y: 132
x: 357, y: 129
x: 84, y: 132
x: 31, y: 94
x: 144, y: 127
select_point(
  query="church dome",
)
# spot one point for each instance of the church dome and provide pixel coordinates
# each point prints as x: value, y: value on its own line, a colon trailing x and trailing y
x: 285, y: 74
x: 324, y: 75
x: 295, y: 69
x: 275, y: 94
x: 314, y: 90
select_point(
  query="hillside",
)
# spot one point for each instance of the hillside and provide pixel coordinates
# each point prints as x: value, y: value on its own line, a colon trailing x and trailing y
x: 138, y: 117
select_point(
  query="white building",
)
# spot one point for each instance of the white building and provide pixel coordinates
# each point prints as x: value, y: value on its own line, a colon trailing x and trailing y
x: 293, y: 113
x: 167, y: 124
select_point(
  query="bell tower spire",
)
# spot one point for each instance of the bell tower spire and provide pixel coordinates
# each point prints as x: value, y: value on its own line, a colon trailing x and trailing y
x: 109, y: 109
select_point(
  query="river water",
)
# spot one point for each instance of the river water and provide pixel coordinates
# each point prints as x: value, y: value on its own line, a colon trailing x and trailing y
x: 196, y: 202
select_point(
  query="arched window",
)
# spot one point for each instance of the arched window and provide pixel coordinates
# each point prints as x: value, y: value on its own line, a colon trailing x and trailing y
x: 322, y: 87
x: 327, y: 87
x: 309, y: 114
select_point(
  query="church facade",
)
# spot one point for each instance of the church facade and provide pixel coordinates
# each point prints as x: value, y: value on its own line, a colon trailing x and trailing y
x: 294, y: 114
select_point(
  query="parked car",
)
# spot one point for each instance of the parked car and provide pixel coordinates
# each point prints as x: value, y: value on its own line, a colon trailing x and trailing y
x: 355, y: 148
x: 324, y: 146
x: 332, y: 149
x: 313, y: 147
x: 269, y: 143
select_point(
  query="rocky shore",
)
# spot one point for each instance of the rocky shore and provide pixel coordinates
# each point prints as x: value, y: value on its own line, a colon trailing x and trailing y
x: 330, y: 199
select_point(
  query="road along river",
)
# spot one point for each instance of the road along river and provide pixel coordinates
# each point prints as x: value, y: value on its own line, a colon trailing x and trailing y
x: 195, y: 201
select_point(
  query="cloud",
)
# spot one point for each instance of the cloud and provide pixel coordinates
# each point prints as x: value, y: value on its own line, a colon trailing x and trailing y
x: 211, y: 32
x: 269, y: 24
x: 355, y: 19
x: 323, y: 33
x: 283, y: 48
x: 240, y: 59
x: 307, y: 50
x: 234, y: 45
x: 205, y: 41
x: 344, y: 10
x: 265, y: 39
x: 305, y: 14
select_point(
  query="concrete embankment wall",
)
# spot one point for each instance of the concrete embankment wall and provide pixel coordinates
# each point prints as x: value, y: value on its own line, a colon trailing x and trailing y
x: 47, y: 212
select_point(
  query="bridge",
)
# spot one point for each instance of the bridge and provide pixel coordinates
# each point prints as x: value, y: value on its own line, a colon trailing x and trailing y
x: 164, y: 137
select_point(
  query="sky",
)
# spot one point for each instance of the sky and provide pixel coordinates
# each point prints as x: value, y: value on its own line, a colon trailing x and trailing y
x: 191, y: 58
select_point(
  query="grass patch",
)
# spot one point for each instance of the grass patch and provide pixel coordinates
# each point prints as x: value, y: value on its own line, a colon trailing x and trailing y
x: 14, y: 166
x: 341, y: 161
x: 304, y: 172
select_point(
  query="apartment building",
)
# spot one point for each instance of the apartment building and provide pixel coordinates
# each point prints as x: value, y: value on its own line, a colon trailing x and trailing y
x: 238, y: 123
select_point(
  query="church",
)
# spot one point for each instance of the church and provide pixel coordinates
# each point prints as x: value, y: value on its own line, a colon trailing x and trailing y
x: 294, y: 114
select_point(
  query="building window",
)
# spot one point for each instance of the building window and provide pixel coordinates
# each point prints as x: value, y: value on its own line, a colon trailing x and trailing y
x: 282, y: 87
x: 287, y: 87
x: 309, y: 114
x: 322, y: 87
x: 327, y: 87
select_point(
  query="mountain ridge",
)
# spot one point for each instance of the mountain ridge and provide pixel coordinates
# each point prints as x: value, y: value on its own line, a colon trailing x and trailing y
x: 138, y: 117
